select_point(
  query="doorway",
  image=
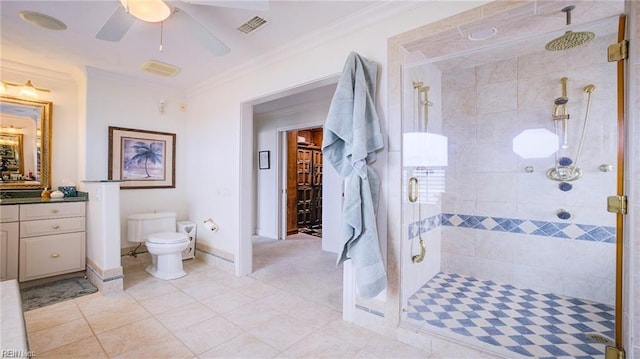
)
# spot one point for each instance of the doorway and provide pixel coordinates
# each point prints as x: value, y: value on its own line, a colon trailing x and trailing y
x: 302, y: 267
x: 304, y: 183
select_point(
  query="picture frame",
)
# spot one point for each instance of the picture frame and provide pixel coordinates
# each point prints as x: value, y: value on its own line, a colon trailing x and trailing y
x: 264, y: 160
x: 11, y: 153
x: 142, y: 158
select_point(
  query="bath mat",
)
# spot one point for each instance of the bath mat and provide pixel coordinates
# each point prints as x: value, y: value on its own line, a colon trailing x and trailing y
x: 51, y: 293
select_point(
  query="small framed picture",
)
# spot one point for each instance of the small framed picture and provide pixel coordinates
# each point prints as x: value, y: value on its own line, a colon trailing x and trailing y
x: 264, y: 161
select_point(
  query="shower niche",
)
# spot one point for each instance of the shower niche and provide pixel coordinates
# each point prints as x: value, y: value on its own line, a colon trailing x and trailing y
x: 510, y: 258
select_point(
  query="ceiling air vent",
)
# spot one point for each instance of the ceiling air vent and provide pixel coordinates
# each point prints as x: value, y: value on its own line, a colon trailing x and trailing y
x: 252, y: 24
x: 160, y: 68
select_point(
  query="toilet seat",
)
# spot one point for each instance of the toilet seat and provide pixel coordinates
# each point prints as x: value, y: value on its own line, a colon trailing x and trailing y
x: 167, y: 238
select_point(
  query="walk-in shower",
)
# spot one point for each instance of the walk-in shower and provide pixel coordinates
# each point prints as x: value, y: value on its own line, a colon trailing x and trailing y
x: 513, y: 265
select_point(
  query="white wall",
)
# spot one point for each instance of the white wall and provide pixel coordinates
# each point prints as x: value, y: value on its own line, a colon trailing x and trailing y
x: 216, y: 106
x: 123, y: 102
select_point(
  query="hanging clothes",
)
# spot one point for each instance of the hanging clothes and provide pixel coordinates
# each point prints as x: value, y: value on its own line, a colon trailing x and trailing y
x: 351, y: 138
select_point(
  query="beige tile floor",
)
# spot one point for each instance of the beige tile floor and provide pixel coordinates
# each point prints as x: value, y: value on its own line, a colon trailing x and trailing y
x: 207, y: 314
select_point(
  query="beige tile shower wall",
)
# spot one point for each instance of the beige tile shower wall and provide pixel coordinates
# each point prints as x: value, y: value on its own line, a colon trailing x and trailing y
x: 631, y: 288
x: 484, y: 108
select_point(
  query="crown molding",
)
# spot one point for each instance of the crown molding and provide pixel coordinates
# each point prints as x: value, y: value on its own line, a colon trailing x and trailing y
x: 29, y: 70
x: 96, y: 73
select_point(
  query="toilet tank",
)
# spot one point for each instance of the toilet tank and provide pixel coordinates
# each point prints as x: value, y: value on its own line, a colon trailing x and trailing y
x: 139, y: 226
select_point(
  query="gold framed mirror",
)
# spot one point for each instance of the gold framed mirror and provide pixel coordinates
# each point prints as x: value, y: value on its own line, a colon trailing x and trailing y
x: 25, y: 143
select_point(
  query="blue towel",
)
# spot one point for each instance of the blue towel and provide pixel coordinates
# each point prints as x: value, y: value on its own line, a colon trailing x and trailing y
x: 351, y: 137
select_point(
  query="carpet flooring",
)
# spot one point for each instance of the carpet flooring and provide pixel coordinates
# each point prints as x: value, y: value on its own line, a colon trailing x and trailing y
x: 50, y: 293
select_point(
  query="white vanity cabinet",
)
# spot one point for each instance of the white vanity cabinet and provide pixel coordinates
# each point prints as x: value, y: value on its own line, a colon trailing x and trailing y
x: 9, y: 216
x: 52, y: 239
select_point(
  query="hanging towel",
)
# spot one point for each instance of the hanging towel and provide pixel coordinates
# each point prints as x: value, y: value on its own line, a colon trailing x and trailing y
x: 351, y: 138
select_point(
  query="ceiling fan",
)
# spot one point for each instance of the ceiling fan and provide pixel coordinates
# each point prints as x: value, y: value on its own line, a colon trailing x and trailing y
x: 158, y: 10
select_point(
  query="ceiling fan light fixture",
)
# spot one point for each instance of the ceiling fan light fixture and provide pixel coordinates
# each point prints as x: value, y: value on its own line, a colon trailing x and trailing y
x: 147, y: 10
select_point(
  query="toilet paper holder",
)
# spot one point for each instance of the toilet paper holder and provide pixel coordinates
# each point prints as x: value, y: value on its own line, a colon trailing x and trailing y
x: 210, y: 225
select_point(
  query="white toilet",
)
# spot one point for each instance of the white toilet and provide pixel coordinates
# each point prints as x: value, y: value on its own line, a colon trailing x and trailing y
x: 158, y: 232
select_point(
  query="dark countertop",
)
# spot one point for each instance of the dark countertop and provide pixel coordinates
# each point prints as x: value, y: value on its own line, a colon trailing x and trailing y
x: 29, y: 197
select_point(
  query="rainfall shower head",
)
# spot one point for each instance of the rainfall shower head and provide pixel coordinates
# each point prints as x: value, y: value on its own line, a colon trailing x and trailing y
x: 570, y: 39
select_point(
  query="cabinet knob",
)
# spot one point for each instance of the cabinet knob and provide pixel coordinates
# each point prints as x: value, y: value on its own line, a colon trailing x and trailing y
x: 54, y: 211
x: 55, y: 255
x: 55, y: 226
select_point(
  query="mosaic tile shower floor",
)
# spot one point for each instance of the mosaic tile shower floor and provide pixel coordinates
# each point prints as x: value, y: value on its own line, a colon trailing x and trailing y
x: 520, y: 320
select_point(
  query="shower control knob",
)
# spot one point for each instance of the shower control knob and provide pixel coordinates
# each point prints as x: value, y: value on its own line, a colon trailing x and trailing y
x: 606, y: 168
x: 562, y: 214
x: 564, y: 186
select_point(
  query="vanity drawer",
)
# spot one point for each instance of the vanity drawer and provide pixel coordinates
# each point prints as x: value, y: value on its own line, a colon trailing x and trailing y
x: 52, y: 226
x: 9, y: 213
x: 30, y: 212
x: 51, y: 255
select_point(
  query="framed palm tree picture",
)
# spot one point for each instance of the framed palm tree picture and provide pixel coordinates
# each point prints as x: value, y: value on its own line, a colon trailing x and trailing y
x: 141, y: 158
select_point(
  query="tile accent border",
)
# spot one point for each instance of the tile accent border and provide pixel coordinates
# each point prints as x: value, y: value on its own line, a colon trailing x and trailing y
x: 584, y: 232
x: 369, y: 310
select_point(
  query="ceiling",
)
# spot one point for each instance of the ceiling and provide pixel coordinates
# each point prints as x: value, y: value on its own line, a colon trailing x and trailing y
x: 522, y: 30
x: 24, y: 43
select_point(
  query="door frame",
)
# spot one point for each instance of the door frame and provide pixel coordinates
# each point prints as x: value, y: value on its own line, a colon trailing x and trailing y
x: 282, y: 175
x: 248, y: 173
x: 247, y: 193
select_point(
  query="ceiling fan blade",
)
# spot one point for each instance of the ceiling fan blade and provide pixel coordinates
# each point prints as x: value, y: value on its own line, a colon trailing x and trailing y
x: 204, y: 36
x: 260, y: 5
x: 116, y: 26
